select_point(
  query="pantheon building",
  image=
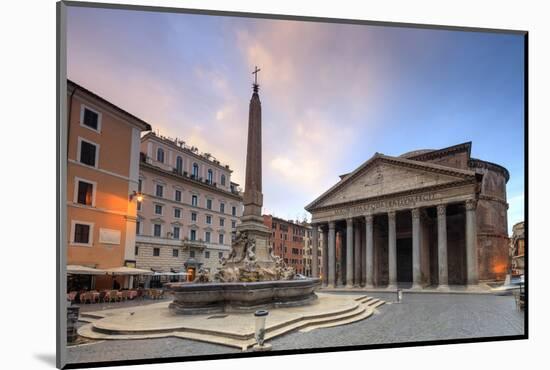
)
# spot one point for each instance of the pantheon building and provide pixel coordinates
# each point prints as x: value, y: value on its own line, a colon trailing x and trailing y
x: 428, y: 218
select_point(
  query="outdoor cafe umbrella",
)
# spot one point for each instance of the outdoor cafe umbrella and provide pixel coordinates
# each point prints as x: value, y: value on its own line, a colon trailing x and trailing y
x: 124, y: 270
x: 127, y: 271
x: 84, y: 270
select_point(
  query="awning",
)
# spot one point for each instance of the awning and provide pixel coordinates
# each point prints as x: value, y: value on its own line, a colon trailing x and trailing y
x: 84, y: 270
x: 123, y: 270
x: 157, y: 273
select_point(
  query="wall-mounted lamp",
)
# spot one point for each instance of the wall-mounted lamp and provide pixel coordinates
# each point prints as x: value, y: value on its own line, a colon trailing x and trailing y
x: 137, y: 195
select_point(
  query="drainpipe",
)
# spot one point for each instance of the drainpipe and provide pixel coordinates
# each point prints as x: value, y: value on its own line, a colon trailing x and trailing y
x: 69, y: 120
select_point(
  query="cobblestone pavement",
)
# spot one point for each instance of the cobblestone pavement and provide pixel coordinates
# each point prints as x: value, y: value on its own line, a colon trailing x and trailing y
x: 420, y: 317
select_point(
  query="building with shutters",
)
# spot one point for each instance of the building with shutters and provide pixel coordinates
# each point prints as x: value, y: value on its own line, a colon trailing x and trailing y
x: 102, y: 175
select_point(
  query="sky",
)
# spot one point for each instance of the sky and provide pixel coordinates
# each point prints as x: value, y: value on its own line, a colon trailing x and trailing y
x: 332, y: 94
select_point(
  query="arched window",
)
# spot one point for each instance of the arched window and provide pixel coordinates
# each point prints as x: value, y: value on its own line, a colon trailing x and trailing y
x: 160, y: 155
x: 223, y: 180
x: 195, y: 170
x: 179, y: 164
x: 210, y: 177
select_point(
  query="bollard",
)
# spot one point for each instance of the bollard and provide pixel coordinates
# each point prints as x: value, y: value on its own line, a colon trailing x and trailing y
x: 72, y: 318
x: 399, y: 295
x: 259, y: 333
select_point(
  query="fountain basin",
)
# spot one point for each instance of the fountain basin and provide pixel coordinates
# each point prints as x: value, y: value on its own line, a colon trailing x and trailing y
x: 201, y: 298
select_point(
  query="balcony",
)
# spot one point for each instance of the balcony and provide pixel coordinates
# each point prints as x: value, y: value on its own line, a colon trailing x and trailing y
x: 196, y: 244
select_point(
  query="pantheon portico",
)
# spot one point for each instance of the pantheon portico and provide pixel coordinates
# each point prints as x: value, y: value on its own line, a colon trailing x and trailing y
x: 426, y: 218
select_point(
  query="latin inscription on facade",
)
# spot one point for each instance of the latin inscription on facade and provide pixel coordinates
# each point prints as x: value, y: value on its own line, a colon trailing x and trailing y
x: 403, y: 202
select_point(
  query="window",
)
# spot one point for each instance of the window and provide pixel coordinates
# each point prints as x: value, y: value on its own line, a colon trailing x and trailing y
x: 220, y: 255
x: 176, y: 233
x: 140, y: 184
x: 175, y: 252
x: 234, y: 211
x: 82, y: 233
x: 193, y: 216
x: 90, y: 119
x: 223, y: 180
x: 233, y: 224
x: 195, y: 173
x: 159, y: 190
x: 139, y: 206
x: 177, y: 212
x: 136, y: 250
x: 207, y: 254
x: 85, y: 193
x: 209, y: 219
x: 156, y: 252
x: 156, y: 230
x: 222, y: 222
x: 179, y: 165
x: 138, y: 227
x: 207, y: 236
x: 193, y: 235
x: 222, y: 207
x: 192, y: 254
x: 88, y: 153
x: 160, y: 155
x: 194, y: 201
x: 220, y: 239
x: 177, y: 195
x: 158, y: 209
x: 209, y: 203
x: 210, y: 176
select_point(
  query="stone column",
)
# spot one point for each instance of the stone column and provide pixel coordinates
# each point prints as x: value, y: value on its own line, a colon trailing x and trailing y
x: 416, y: 247
x: 357, y: 256
x: 392, y: 251
x: 331, y: 255
x: 349, y: 253
x: 471, y: 241
x: 341, y: 274
x: 369, y: 256
x: 324, y: 241
x: 442, y: 246
x: 314, y: 251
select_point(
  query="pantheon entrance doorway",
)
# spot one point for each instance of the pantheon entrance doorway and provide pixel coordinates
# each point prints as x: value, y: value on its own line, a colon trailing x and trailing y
x: 404, y: 262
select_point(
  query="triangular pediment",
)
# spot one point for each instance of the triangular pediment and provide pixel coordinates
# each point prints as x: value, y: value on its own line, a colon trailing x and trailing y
x: 384, y: 175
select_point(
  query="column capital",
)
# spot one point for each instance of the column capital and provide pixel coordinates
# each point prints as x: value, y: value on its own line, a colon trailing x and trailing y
x: 441, y: 209
x: 471, y: 204
x: 332, y: 225
x: 391, y: 215
x: 349, y: 220
x: 369, y: 218
x: 415, y: 212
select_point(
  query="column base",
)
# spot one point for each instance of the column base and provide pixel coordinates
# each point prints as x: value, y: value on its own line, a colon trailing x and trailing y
x: 330, y: 286
x: 417, y: 286
x: 392, y: 287
x: 443, y: 288
x: 349, y: 286
x: 369, y: 286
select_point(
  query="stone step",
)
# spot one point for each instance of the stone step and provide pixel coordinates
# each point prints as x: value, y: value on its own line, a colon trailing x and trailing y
x: 372, y: 301
x: 377, y: 304
x: 367, y: 313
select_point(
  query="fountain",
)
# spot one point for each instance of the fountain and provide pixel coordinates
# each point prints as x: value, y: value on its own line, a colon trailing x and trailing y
x: 251, y: 277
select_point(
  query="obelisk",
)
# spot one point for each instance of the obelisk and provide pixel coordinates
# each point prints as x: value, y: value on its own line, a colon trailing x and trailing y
x: 252, y: 222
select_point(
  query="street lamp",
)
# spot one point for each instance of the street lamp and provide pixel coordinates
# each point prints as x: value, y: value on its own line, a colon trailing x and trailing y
x: 137, y: 195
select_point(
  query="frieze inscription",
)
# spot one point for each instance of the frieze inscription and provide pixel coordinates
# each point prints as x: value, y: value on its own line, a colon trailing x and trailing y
x: 403, y: 202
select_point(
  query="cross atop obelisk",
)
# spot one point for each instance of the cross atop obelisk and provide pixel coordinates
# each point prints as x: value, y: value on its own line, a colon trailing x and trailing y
x: 252, y: 222
x: 255, y: 73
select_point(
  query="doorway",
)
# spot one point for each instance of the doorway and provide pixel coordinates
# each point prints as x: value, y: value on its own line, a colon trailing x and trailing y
x: 404, y: 262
